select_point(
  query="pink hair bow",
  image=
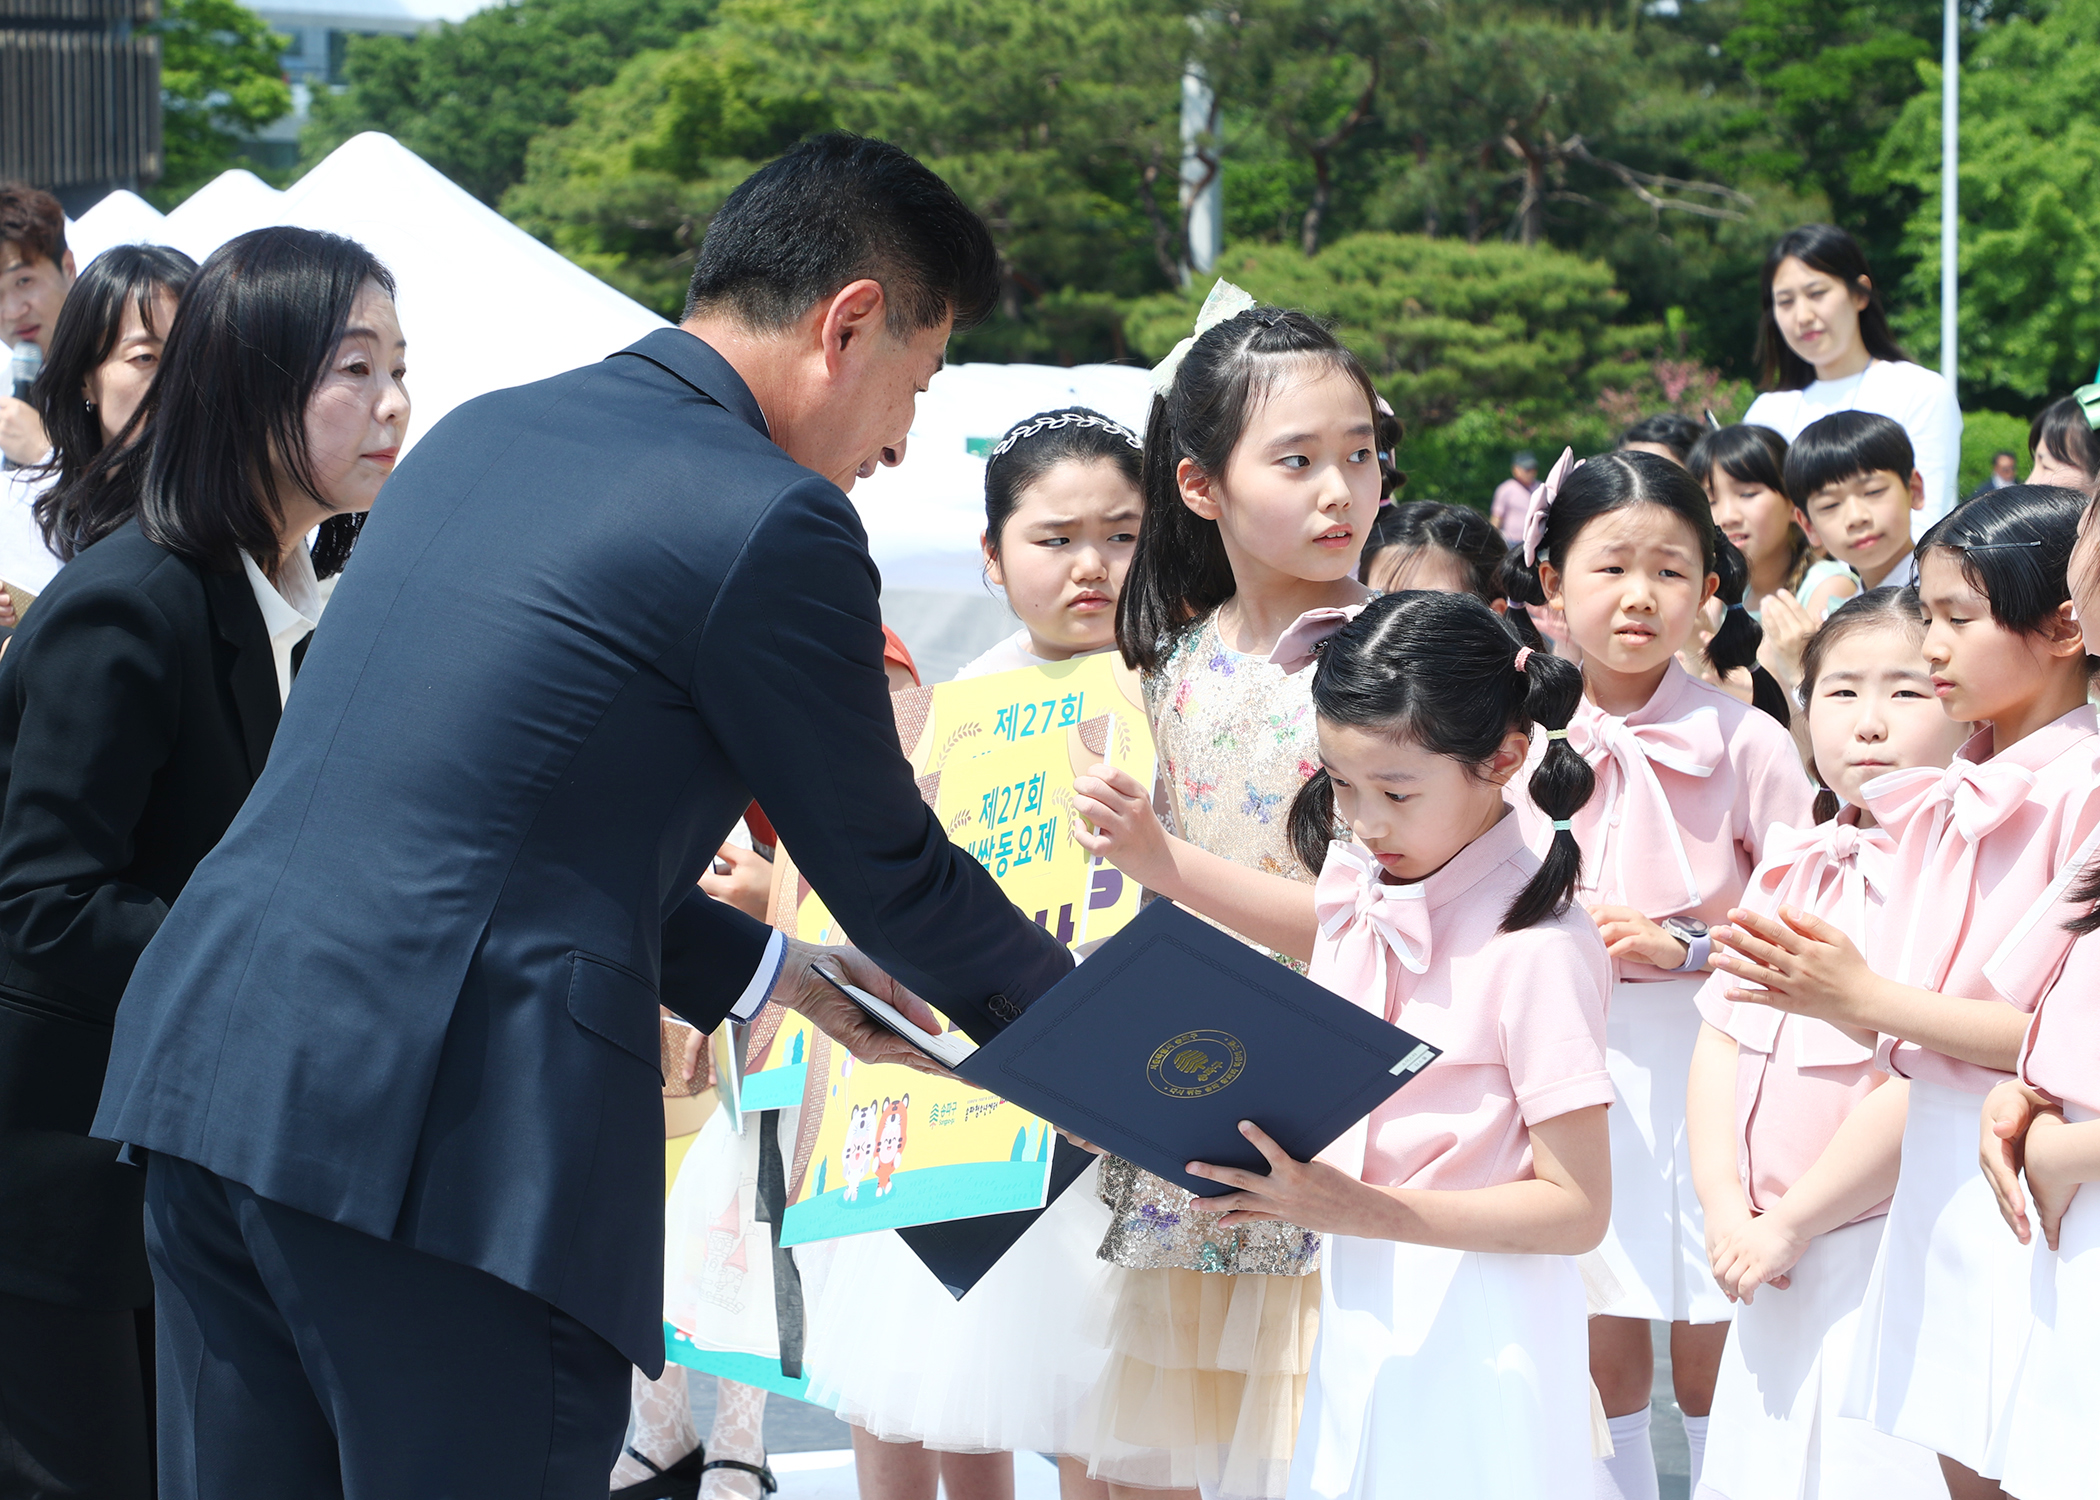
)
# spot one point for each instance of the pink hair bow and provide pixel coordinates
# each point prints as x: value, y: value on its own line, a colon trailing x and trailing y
x: 1299, y: 645
x: 1541, y: 505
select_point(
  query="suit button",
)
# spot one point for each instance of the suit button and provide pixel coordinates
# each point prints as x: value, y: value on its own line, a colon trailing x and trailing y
x: 1003, y: 1008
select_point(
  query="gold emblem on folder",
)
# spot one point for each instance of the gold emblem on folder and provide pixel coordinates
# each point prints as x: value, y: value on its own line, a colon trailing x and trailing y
x: 1196, y: 1064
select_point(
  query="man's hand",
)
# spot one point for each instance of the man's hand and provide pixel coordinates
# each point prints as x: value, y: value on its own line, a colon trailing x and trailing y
x: 1806, y: 965
x: 1630, y: 936
x: 2009, y: 1111
x: 800, y: 989
x: 22, y: 435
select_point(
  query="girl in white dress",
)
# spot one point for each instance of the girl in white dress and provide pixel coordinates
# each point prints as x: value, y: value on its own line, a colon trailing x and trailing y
x: 940, y: 1390
x: 1451, y: 1357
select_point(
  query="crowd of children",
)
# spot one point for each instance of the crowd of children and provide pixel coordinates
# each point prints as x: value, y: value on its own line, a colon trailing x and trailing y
x: 1739, y: 848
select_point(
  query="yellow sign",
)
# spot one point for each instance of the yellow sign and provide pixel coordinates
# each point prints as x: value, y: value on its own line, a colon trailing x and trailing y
x: 888, y: 1147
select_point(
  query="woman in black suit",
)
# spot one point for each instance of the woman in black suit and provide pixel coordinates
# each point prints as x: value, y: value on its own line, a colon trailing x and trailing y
x: 138, y: 700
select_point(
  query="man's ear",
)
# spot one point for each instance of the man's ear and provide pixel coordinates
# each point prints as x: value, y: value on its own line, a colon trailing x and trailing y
x: 1807, y: 528
x: 66, y: 268
x: 1198, y: 493
x: 1917, y: 490
x: 855, y: 311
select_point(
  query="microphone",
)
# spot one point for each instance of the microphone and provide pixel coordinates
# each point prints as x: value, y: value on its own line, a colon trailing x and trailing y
x: 23, y: 369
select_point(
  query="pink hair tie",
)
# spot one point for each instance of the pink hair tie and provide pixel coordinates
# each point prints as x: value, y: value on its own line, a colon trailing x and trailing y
x: 1523, y: 656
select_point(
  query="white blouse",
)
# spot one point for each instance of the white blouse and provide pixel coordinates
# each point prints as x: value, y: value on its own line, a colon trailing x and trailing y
x: 291, y: 607
x: 1915, y: 398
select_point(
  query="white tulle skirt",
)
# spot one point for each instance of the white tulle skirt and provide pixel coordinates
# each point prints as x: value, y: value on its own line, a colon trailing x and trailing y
x: 1445, y: 1373
x: 1656, y: 1246
x: 1776, y: 1433
x: 2049, y: 1446
x: 1948, y: 1308
x: 1006, y: 1369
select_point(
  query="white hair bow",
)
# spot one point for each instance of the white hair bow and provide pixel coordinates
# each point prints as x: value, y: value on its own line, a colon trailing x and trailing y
x: 1224, y: 303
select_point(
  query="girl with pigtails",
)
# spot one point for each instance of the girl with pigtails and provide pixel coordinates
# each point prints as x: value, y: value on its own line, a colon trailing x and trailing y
x: 1451, y: 1356
x: 1689, y: 779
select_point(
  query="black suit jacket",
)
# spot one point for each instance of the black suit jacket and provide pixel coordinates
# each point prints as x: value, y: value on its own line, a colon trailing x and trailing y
x: 137, y: 703
x: 414, y: 990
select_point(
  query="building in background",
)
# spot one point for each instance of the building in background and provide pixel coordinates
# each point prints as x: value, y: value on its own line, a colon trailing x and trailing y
x: 317, y: 35
x: 79, y: 97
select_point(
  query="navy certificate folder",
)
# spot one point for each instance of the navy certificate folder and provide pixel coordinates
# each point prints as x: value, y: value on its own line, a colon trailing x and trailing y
x: 1173, y: 1032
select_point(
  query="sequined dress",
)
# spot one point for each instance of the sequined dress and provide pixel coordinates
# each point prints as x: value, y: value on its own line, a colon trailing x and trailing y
x: 1210, y: 1333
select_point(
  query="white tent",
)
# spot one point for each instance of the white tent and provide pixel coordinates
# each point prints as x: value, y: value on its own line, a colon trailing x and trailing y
x: 485, y: 305
x: 121, y: 218
x: 232, y: 203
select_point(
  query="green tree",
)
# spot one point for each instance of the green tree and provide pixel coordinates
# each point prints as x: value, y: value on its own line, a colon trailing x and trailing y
x: 469, y: 98
x: 1477, y: 347
x: 2030, y: 209
x: 626, y: 189
x: 220, y: 82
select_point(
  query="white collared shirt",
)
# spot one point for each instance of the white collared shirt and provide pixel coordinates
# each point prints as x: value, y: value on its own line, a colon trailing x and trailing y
x: 290, y: 609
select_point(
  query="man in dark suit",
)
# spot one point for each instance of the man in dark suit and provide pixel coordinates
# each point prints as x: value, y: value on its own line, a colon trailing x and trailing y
x: 393, y: 1056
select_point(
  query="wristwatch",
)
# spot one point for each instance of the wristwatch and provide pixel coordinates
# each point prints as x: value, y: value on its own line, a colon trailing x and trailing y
x: 1696, y: 937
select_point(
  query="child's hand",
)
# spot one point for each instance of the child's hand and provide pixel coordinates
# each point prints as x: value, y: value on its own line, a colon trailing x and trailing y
x: 1759, y: 1253
x: 2009, y: 1111
x: 1806, y: 965
x: 1310, y: 1194
x: 1787, y: 627
x: 1629, y: 935
x: 1722, y: 1222
x: 2052, y: 1191
x: 746, y: 883
x: 1120, y: 825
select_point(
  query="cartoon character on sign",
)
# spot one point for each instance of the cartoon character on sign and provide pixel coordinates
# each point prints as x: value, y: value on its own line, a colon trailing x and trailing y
x: 889, y: 1142
x: 858, y: 1154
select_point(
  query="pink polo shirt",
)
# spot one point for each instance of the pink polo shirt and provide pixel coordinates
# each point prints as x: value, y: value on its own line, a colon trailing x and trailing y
x: 1984, y: 853
x: 1519, y: 1015
x: 1687, y: 784
x: 1797, y: 1078
x: 2061, y: 1055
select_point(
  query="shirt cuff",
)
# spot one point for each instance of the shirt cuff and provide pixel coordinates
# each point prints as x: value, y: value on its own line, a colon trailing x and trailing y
x: 753, y: 1000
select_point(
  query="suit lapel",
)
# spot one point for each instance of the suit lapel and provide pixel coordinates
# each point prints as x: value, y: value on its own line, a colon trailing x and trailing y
x: 254, y: 675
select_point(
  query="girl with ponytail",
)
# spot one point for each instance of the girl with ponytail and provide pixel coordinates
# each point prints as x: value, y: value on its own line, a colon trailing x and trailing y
x: 1455, y: 1215
x: 1689, y: 779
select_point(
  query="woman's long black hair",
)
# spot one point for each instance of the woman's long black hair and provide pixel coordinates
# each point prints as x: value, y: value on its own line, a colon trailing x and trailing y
x: 252, y: 337
x: 1442, y: 671
x: 129, y: 276
x: 1178, y: 570
x: 1616, y: 481
x: 1829, y: 249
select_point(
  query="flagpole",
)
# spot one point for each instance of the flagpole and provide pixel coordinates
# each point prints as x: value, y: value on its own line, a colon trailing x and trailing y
x: 1950, y: 161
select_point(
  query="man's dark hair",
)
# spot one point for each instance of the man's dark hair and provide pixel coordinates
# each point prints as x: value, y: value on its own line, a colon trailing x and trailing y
x: 833, y: 210
x: 1842, y: 446
x: 32, y: 219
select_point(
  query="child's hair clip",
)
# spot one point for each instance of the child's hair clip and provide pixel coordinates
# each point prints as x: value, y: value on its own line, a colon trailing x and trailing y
x: 1556, y: 734
x: 1563, y: 825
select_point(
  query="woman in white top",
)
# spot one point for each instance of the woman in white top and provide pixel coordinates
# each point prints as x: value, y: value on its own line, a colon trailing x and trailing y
x: 1824, y: 345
